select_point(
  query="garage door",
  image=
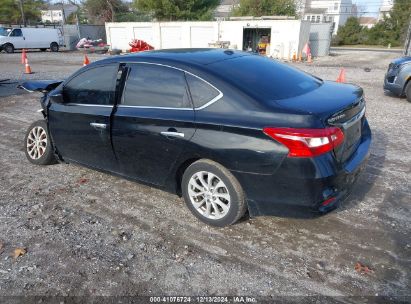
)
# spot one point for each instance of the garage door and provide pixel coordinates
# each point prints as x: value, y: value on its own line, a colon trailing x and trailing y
x: 201, y: 36
x: 120, y: 38
x: 171, y: 37
x: 144, y: 33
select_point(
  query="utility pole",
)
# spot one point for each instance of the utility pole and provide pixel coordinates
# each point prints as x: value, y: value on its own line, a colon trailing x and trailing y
x: 111, y: 9
x: 63, y: 15
x: 23, y: 17
x: 407, y: 46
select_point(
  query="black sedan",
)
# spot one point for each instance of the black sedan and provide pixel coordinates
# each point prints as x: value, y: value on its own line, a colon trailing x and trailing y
x: 229, y: 131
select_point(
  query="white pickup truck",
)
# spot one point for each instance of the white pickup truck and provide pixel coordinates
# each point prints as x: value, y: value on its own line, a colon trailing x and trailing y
x: 31, y: 38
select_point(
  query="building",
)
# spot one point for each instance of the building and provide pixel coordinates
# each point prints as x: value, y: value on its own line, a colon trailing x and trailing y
x: 335, y: 12
x: 223, y: 11
x: 385, y: 9
x: 57, y: 13
x: 367, y: 22
x: 285, y: 37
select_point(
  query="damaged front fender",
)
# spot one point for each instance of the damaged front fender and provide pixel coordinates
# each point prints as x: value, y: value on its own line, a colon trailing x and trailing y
x: 43, y: 86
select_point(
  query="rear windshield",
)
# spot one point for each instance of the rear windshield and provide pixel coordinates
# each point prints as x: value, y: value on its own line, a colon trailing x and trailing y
x: 265, y: 78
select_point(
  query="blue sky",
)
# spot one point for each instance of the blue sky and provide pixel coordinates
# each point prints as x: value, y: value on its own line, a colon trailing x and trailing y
x: 370, y: 6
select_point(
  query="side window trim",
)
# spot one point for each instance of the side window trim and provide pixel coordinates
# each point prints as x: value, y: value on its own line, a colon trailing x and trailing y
x: 90, y: 104
x: 208, y: 103
x: 215, y: 99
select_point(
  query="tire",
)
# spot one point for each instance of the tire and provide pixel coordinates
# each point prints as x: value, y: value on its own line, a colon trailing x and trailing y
x: 43, y: 50
x: 37, y: 144
x: 408, y: 91
x: 54, y: 47
x: 230, y: 193
x: 9, y: 48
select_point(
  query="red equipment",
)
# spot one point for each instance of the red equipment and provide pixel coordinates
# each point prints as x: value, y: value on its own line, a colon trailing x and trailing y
x: 139, y: 46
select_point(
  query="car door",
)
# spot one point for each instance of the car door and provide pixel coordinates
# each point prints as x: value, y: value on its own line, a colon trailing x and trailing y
x: 80, y: 124
x: 153, y: 122
x: 17, y: 39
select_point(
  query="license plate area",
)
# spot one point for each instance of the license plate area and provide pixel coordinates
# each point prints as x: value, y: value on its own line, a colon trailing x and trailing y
x: 353, y: 134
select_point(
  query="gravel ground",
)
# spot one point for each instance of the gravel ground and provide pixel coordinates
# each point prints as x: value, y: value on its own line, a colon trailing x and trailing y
x: 90, y: 233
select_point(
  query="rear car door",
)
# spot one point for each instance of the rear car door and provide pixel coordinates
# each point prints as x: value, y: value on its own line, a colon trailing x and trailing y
x: 80, y: 125
x: 153, y: 122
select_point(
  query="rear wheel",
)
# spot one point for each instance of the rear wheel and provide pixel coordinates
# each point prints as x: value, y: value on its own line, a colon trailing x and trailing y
x: 408, y: 91
x: 37, y: 144
x: 213, y: 194
x: 54, y: 47
x: 9, y: 48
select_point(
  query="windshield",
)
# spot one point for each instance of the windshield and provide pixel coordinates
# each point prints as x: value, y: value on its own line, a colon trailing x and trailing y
x: 4, y: 31
x: 265, y: 78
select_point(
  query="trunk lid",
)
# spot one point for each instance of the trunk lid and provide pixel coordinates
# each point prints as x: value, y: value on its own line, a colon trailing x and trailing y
x: 335, y: 104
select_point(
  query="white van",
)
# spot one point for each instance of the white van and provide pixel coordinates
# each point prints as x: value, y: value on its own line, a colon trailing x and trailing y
x: 31, y: 38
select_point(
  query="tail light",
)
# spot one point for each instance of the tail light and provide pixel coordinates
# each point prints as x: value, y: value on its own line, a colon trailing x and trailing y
x: 307, y: 142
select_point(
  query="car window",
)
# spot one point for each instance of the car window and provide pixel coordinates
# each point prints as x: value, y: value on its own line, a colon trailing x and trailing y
x: 266, y: 78
x: 16, y: 33
x: 155, y: 86
x: 94, y: 86
x: 201, y: 91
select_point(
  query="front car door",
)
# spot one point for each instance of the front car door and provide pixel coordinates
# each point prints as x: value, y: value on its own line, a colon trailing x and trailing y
x: 153, y: 122
x: 80, y: 125
x: 17, y: 39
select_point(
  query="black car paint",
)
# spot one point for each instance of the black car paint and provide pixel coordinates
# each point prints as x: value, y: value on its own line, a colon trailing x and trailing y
x: 228, y: 131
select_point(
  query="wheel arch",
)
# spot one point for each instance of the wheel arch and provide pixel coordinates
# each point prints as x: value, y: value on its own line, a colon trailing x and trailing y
x: 408, y: 79
x: 178, y: 176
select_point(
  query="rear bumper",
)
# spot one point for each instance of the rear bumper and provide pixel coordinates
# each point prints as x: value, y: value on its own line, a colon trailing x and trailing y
x: 305, y: 182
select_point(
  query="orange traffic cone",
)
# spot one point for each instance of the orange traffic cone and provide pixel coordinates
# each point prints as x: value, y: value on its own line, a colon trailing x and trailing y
x: 294, y: 56
x: 23, y: 56
x: 341, y: 77
x: 86, y: 61
x: 300, y: 57
x: 28, y: 69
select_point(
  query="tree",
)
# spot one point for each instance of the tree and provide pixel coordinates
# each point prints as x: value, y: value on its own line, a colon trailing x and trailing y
x: 10, y: 11
x: 258, y: 8
x: 351, y: 33
x: 101, y: 11
x: 171, y: 10
x: 392, y: 29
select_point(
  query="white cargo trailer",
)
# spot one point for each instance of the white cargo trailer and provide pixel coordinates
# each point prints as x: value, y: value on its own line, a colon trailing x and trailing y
x: 286, y: 36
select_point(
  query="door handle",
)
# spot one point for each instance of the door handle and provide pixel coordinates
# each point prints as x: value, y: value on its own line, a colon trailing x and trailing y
x: 96, y: 125
x: 172, y: 134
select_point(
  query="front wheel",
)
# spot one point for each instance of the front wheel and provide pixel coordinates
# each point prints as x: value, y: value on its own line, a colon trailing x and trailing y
x: 213, y: 194
x: 9, y: 48
x: 37, y: 144
x: 408, y: 91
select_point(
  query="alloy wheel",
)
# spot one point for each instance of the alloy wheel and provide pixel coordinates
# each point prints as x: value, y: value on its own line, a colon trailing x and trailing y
x: 209, y: 195
x: 36, y: 142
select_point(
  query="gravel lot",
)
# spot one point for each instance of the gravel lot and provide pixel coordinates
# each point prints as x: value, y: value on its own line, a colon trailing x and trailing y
x: 89, y: 233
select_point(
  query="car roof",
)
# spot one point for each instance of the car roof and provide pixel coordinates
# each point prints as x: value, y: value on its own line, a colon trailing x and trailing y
x: 203, y: 57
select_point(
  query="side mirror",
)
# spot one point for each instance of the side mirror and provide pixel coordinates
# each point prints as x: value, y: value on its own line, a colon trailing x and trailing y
x: 57, y: 97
